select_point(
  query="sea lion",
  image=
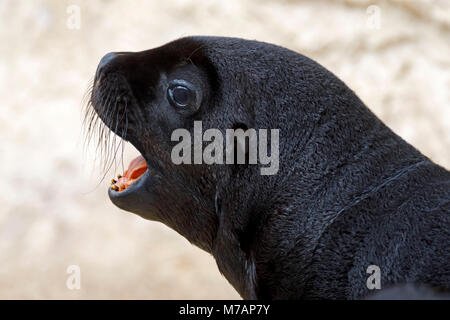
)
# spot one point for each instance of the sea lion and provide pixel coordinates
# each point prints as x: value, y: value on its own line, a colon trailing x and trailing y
x: 349, y: 193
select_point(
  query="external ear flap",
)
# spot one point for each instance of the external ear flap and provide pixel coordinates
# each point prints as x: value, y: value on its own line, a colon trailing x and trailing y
x: 236, y: 265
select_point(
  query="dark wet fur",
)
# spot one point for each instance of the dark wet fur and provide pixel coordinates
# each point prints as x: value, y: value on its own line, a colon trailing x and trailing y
x: 349, y: 193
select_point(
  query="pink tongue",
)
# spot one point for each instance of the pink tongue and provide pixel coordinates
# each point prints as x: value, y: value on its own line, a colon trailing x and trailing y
x: 136, y: 169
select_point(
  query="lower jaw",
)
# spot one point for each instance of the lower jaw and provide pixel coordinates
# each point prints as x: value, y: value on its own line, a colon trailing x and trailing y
x: 131, y: 188
x: 138, y: 198
x: 134, y: 190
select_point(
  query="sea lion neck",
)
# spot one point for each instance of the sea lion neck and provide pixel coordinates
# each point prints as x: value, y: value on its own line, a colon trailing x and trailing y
x: 343, y: 154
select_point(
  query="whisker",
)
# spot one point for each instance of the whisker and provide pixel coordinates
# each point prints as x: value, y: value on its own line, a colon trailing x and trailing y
x: 102, y: 142
x: 124, y: 132
x: 104, y: 130
x: 121, y: 137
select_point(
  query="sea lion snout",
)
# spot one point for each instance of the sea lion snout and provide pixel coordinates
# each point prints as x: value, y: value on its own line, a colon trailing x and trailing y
x: 113, y: 95
x: 111, y: 62
x: 107, y: 58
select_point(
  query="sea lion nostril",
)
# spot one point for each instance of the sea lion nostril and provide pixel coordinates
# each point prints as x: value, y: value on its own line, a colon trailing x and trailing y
x: 107, y: 58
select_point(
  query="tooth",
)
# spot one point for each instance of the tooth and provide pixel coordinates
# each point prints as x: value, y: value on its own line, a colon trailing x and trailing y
x: 114, y: 187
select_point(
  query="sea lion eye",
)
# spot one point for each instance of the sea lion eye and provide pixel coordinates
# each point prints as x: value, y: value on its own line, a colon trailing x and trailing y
x: 180, y: 95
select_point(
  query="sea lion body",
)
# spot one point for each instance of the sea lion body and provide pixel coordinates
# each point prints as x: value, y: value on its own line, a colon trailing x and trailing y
x: 349, y: 193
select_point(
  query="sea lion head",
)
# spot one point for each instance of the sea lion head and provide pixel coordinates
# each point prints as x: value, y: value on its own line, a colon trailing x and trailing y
x: 225, y: 83
x: 143, y: 97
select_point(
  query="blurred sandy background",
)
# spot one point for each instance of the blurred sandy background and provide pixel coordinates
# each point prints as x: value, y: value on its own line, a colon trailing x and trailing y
x: 54, y: 214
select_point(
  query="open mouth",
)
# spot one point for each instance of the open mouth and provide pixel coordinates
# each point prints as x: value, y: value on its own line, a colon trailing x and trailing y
x: 135, y: 171
x: 134, y: 189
